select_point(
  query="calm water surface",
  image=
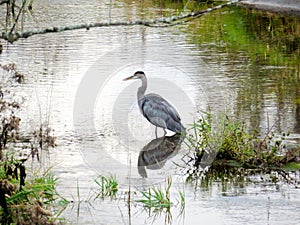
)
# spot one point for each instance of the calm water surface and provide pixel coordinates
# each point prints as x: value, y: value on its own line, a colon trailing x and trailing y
x: 217, y: 62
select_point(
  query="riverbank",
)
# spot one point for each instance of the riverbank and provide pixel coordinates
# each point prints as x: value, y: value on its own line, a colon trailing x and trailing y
x: 290, y: 7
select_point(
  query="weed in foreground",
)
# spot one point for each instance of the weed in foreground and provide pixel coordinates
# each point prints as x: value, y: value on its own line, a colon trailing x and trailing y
x: 29, y: 202
x: 158, y: 198
x: 108, y: 186
x: 25, y: 197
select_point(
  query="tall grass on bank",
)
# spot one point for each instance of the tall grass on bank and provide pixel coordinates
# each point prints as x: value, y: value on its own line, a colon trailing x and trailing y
x: 29, y: 202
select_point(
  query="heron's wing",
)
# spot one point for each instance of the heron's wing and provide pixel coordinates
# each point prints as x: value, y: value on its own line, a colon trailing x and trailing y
x: 155, y: 106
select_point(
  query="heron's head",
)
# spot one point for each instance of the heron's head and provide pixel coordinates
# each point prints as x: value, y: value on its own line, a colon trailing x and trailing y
x: 136, y: 75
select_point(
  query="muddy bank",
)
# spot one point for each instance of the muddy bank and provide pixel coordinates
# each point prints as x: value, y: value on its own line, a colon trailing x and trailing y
x: 291, y: 7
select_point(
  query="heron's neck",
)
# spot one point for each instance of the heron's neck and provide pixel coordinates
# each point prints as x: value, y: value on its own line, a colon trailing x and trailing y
x: 142, y: 89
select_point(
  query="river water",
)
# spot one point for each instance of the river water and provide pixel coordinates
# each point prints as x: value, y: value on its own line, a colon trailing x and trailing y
x: 236, y: 61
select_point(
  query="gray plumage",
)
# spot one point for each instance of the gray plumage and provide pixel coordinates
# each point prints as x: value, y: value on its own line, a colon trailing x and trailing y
x: 156, y: 109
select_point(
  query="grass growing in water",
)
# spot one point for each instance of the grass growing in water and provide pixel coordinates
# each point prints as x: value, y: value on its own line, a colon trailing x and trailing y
x: 108, y: 186
x: 230, y: 140
x: 157, y: 198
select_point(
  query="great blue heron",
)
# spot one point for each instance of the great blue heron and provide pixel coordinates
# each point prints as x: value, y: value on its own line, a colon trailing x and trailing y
x: 156, y: 109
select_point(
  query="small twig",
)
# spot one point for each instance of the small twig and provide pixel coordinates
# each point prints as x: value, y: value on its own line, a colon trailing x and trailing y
x: 287, y: 177
x: 16, y: 21
x: 267, y: 134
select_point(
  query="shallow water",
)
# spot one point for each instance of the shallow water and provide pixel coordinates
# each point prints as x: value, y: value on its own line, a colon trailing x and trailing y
x: 217, y: 62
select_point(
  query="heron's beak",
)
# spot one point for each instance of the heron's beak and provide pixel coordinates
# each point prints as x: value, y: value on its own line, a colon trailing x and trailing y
x: 129, y: 78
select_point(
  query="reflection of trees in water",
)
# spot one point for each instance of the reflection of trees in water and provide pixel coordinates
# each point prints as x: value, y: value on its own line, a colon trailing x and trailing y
x: 261, y: 62
x: 273, y: 48
x: 297, y: 113
x: 154, y: 155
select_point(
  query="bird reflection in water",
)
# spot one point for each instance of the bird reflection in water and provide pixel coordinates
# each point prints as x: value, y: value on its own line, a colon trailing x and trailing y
x: 154, y: 155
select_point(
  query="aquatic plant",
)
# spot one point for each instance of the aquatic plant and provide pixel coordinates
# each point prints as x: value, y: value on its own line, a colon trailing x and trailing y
x: 26, y: 202
x: 12, y: 69
x: 200, y: 134
x: 43, y: 138
x: 230, y: 140
x: 158, y: 198
x: 25, y: 196
x: 9, y: 125
x: 108, y: 186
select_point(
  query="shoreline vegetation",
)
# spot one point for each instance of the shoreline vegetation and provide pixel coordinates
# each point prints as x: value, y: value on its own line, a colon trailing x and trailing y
x: 26, y: 195
x: 288, y: 7
x: 227, y: 139
x: 222, y: 148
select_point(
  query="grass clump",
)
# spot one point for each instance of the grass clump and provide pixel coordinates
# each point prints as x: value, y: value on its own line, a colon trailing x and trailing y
x: 108, y: 186
x: 26, y: 202
x: 230, y: 140
x: 158, y: 199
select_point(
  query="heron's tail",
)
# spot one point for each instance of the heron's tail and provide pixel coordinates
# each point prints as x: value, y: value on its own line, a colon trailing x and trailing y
x: 178, y: 128
x: 182, y: 129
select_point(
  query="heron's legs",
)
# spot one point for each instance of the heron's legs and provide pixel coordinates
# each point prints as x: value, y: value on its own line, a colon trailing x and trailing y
x: 165, y: 132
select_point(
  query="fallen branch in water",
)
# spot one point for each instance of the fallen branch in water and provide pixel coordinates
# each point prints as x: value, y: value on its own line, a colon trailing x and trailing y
x: 160, y: 22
